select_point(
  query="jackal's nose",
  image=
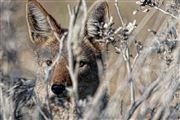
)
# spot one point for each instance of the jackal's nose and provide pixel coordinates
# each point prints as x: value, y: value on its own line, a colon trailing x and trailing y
x: 58, y: 89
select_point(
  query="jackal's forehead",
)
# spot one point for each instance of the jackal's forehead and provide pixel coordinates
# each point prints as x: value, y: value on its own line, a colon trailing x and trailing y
x: 47, y: 52
x: 44, y: 53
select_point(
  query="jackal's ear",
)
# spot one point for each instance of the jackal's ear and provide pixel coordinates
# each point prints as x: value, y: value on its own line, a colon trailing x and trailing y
x: 40, y: 27
x: 97, y: 16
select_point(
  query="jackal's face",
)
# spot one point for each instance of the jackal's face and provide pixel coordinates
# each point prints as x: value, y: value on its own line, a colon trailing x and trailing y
x: 47, y: 47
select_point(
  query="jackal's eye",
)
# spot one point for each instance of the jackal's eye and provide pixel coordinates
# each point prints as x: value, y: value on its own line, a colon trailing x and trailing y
x: 48, y: 62
x: 82, y: 63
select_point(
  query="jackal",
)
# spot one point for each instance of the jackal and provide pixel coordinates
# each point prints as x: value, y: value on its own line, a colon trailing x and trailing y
x: 47, y: 46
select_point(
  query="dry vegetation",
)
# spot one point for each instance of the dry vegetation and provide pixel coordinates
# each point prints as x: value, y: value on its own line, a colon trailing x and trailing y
x: 142, y: 77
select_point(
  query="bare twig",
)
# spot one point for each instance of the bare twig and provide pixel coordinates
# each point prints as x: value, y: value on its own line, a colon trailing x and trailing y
x: 70, y: 59
x: 146, y: 94
x: 126, y: 57
x: 119, y: 13
x: 74, y: 37
x: 166, y: 13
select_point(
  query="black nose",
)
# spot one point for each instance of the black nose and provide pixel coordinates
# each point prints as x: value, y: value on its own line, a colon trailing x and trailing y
x: 58, y: 89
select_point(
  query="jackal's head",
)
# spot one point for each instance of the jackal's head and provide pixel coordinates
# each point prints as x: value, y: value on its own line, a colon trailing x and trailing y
x: 47, y: 47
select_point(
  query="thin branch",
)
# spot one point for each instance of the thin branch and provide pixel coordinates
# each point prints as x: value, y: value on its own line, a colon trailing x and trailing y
x: 129, y: 68
x: 119, y: 13
x: 77, y: 9
x: 166, y: 13
x: 145, y: 95
x: 70, y: 59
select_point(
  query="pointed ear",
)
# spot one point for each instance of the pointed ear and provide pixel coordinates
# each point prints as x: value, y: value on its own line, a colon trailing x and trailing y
x: 97, y: 16
x: 37, y: 20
